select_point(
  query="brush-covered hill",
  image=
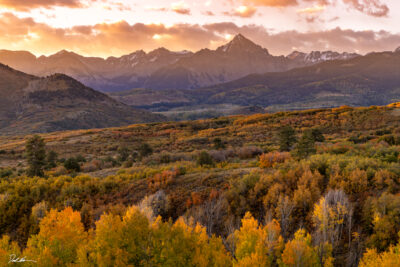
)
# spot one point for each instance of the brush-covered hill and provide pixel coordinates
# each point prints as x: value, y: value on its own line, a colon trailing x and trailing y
x: 30, y: 104
x: 218, y: 175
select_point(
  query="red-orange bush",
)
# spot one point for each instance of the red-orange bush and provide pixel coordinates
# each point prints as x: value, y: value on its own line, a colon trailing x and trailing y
x: 268, y: 160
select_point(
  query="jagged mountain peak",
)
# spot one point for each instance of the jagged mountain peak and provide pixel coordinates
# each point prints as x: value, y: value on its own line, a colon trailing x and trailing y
x: 240, y: 38
x: 131, y: 57
x: 241, y: 44
x: 64, y: 53
x: 319, y: 56
x: 160, y: 50
x: 296, y: 55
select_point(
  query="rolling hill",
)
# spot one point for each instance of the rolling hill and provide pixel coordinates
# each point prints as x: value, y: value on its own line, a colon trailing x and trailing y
x: 31, y: 104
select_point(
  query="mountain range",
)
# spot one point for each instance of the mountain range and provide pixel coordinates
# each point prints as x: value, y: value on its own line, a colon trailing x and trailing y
x: 162, y: 69
x: 373, y: 79
x: 30, y: 104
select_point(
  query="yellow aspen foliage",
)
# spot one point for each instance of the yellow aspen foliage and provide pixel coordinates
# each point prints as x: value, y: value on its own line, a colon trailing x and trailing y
x: 119, y: 242
x: 202, y: 250
x: 59, y: 237
x: 210, y: 251
x: 300, y: 252
x: 390, y: 258
x: 8, y: 249
x: 135, y: 241
x: 257, y: 245
x: 330, y: 215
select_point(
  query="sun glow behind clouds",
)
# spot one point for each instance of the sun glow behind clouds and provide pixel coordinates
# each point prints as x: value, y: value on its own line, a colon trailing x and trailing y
x: 97, y: 25
x: 313, y: 9
x: 228, y: 36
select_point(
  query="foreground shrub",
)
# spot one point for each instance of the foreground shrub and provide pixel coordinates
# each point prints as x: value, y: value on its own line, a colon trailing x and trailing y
x: 270, y: 159
x: 72, y: 164
x: 205, y: 159
x: 249, y: 152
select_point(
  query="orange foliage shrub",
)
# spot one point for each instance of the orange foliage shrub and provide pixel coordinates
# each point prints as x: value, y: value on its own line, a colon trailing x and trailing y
x: 268, y: 160
x: 163, y: 179
x: 194, y: 200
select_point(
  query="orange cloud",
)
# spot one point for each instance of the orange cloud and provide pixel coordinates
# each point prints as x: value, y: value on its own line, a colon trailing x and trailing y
x: 180, y: 8
x: 370, y: 7
x: 272, y: 3
x: 115, y: 39
x: 245, y: 11
x: 311, y: 10
x: 26, y: 5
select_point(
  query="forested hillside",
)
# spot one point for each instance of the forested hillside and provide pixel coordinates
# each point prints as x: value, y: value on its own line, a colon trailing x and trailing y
x: 305, y: 188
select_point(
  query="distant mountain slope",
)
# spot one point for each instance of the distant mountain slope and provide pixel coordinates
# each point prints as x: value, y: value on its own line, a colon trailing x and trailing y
x: 31, y: 104
x: 373, y: 79
x: 238, y: 58
x: 162, y: 69
x: 112, y: 74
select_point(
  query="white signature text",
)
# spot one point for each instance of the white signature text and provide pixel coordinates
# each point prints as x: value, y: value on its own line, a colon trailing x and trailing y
x: 15, y: 259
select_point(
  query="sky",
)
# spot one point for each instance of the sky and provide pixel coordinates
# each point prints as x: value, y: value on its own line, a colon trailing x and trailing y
x: 117, y: 27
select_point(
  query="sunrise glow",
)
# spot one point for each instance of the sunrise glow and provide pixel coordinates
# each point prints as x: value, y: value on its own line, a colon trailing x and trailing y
x: 115, y: 27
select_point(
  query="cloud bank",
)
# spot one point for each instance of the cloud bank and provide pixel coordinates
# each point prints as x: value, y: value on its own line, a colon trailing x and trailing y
x: 26, y: 5
x: 370, y: 7
x: 122, y: 38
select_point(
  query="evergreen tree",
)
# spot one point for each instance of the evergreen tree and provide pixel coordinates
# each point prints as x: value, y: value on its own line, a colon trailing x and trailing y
x: 218, y: 144
x: 36, y: 155
x: 287, y: 138
x: 205, y: 159
x: 72, y: 164
x: 145, y: 150
x: 123, y: 153
x: 51, y: 159
x: 317, y: 135
x: 306, y: 145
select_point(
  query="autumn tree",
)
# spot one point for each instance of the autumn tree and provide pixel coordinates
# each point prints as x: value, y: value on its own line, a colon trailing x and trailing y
x: 300, y: 252
x: 8, y: 249
x: 388, y: 258
x: 257, y: 245
x: 331, y: 216
x: 136, y: 241
x: 119, y: 242
x: 60, y: 235
x: 35, y: 156
x: 385, y: 221
x: 284, y: 211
